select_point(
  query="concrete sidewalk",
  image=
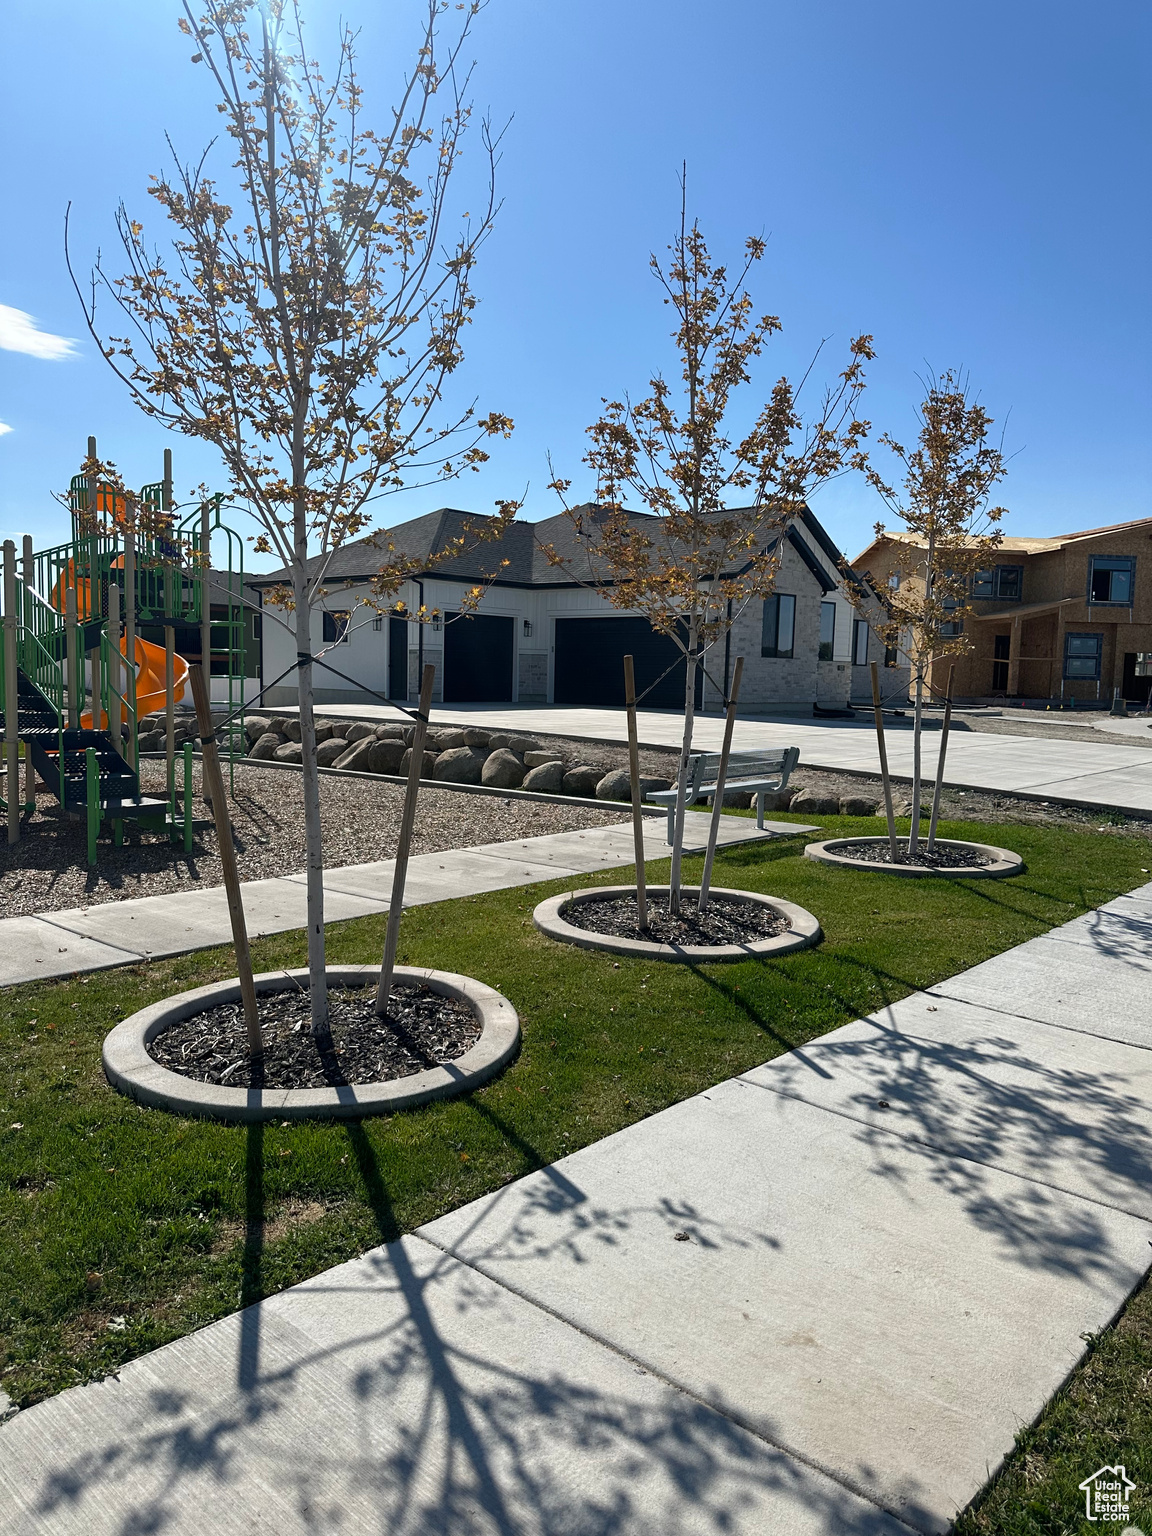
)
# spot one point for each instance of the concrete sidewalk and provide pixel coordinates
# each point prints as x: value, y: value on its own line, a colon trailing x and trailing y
x: 112, y: 933
x: 817, y: 1299
x: 1087, y: 773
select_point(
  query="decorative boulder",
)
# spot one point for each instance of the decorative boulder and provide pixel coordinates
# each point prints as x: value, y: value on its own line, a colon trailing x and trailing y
x: 545, y: 778
x: 264, y: 747
x: 360, y: 731
x: 739, y: 799
x: 582, y: 780
x: 498, y: 741
x: 854, y: 805
x: 328, y: 751
x: 279, y: 724
x: 778, y: 799
x: 255, y: 727
x: 503, y: 770
x: 459, y: 765
x: 473, y: 737
x: 292, y: 730
x: 650, y: 786
x: 449, y: 741
x: 538, y: 759
x: 390, y: 733
x: 325, y: 730
x: 429, y: 763
x: 150, y: 741
x: 805, y: 803
x: 615, y: 785
x: 290, y: 752
x: 386, y: 756
x: 522, y: 744
x: 356, y: 759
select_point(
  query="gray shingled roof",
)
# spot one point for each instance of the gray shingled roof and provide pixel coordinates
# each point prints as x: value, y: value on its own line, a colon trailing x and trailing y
x: 528, y: 565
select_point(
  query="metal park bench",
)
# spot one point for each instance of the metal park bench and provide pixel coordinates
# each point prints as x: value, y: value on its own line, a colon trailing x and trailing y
x: 761, y: 772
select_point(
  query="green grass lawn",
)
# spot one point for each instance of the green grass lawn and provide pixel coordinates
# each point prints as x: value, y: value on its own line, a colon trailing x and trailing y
x: 122, y: 1228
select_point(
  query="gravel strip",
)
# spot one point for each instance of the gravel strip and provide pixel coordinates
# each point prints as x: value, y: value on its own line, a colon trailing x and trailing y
x: 422, y: 1029
x: 722, y: 921
x: 47, y: 870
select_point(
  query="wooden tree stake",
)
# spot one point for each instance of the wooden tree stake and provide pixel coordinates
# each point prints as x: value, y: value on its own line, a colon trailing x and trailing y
x: 721, y: 776
x: 11, y: 694
x: 634, y: 781
x: 940, y: 764
x: 407, y: 821
x: 210, y: 767
x: 887, y: 782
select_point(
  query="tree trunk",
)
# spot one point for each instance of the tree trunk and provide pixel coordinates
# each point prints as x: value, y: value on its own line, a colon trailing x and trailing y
x: 682, y: 777
x: 918, y: 724
x: 313, y: 842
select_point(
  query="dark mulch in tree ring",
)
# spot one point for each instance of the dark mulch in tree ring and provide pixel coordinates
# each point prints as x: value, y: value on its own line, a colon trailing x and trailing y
x: 422, y: 1029
x: 946, y: 856
x: 721, y: 922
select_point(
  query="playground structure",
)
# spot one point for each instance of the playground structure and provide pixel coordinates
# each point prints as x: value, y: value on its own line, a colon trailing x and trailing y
x: 78, y: 675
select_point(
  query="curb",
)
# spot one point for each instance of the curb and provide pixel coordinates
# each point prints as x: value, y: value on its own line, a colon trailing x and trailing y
x: 131, y: 1071
x: 803, y: 931
x: 1004, y: 861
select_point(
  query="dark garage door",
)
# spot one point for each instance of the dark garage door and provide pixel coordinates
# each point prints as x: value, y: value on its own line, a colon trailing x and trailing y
x: 590, y: 663
x: 477, y: 659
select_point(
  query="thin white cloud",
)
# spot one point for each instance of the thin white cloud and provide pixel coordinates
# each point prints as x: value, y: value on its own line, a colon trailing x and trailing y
x: 4, y: 427
x: 19, y: 333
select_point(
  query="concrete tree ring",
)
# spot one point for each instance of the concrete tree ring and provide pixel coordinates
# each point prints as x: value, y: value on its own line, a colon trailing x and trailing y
x: 129, y: 1068
x: 803, y: 929
x: 838, y: 850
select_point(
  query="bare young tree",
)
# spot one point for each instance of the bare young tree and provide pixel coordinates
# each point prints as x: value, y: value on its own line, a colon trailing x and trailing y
x: 951, y: 532
x: 678, y: 454
x: 306, y: 316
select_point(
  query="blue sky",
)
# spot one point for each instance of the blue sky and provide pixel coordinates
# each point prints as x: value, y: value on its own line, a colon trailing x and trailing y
x: 969, y: 183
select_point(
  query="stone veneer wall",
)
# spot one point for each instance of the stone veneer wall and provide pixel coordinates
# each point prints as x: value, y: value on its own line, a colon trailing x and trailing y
x: 533, y: 677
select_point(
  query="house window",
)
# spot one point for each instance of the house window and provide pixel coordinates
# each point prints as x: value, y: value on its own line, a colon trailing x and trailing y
x: 779, y: 626
x: 891, y: 658
x: 951, y: 629
x: 827, y: 630
x: 336, y: 627
x: 1082, y: 655
x: 1006, y: 583
x: 1111, y: 579
x: 1002, y: 651
x: 860, y: 643
x: 894, y: 581
x: 377, y: 621
x: 1143, y: 666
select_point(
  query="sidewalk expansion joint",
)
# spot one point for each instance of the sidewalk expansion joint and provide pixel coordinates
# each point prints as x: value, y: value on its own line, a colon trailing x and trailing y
x: 1014, y: 1013
x: 947, y: 1151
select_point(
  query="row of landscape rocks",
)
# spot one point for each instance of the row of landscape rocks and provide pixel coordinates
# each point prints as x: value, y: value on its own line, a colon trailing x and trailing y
x: 499, y: 760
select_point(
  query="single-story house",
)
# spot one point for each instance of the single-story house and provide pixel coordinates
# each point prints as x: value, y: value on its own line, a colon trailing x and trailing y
x: 548, y: 635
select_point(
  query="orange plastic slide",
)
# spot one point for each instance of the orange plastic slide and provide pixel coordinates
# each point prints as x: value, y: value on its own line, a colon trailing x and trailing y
x: 151, y: 694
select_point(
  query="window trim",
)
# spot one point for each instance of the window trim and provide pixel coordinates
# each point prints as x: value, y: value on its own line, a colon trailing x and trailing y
x: 1113, y: 563
x: 778, y: 603
x: 1072, y: 635
x: 332, y: 632
x: 821, y: 643
x: 860, y: 627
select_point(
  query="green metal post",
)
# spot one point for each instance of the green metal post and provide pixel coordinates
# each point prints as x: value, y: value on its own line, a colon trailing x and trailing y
x: 92, y: 778
x: 187, y: 797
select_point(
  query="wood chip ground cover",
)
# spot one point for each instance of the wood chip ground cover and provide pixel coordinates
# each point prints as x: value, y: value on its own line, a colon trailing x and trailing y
x: 422, y: 1029
x: 721, y: 922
